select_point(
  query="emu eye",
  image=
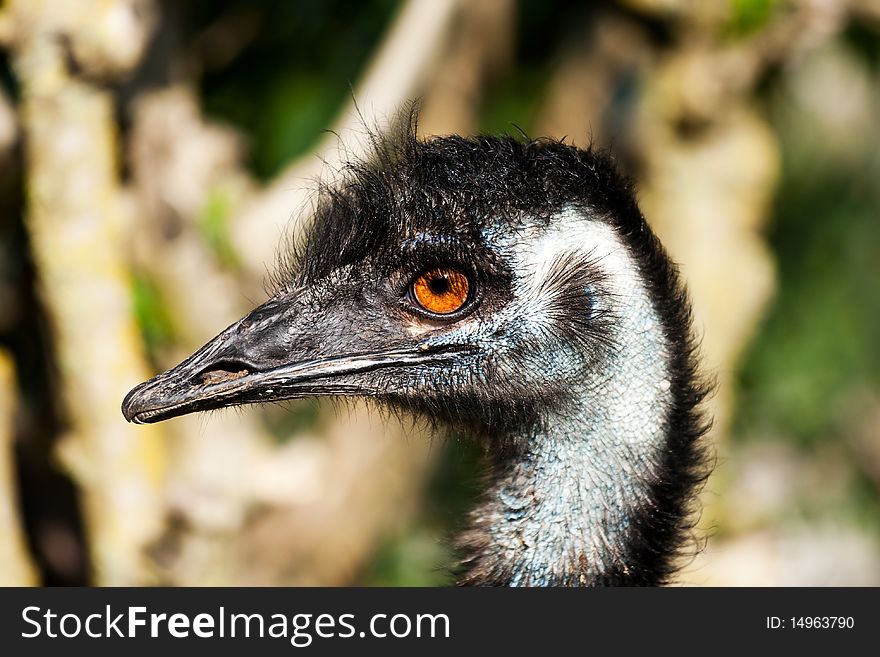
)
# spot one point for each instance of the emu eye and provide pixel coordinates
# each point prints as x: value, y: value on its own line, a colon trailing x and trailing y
x: 441, y: 291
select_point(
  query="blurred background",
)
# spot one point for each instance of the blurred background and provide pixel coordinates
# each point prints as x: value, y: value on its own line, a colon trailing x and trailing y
x: 153, y: 152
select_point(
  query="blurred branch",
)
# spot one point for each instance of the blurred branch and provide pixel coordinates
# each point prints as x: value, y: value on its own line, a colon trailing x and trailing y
x: 481, y: 45
x: 8, y: 131
x: 581, y: 86
x: 17, y: 569
x: 867, y: 9
x: 75, y: 221
x: 407, y: 55
x: 711, y: 163
x: 5, y: 29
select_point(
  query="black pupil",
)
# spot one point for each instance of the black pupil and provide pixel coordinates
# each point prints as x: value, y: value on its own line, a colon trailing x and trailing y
x: 439, y: 285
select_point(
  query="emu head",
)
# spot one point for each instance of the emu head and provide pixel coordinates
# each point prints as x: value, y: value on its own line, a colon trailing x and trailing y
x: 476, y: 281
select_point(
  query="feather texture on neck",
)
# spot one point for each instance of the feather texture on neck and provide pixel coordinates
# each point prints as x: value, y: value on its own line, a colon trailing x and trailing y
x: 571, y: 503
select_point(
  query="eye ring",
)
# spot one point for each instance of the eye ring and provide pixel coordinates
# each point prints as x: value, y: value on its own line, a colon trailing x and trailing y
x: 441, y: 291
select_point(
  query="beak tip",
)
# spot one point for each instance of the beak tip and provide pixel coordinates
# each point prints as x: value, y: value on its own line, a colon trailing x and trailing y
x: 131, y: 405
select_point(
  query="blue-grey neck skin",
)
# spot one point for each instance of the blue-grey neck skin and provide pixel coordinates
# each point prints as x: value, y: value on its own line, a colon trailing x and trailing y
x: 563, y: 509
x: 560, y: 511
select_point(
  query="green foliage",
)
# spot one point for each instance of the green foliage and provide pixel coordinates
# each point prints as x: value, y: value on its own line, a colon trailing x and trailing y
x: 151, y: 315
x: 749, y: 16
x: 513, y: 105
x: 414, y: 559
x: 213, y: 224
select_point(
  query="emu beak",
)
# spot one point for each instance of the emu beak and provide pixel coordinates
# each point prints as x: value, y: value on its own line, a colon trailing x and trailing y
x: 269, y: 355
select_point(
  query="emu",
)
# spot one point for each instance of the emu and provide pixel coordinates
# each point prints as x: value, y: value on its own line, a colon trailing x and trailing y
x: 506, y: 288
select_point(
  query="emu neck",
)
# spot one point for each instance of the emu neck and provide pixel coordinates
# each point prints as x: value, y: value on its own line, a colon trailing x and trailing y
x: 568, y: 507
x: 563, y: 511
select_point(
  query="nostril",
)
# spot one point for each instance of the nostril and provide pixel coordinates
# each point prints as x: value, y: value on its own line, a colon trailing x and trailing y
x: 222, y: 372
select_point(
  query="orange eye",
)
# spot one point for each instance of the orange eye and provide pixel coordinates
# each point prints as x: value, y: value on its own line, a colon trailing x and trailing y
x: 442, y: 290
